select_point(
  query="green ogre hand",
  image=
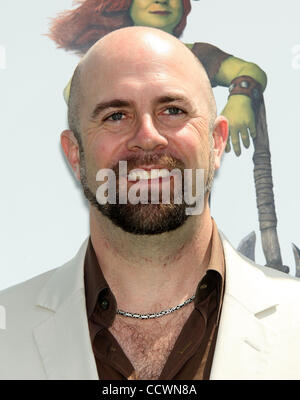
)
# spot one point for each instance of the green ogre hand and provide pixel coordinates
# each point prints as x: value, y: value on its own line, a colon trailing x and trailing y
x: 240, y: 115
x: 239, y: 110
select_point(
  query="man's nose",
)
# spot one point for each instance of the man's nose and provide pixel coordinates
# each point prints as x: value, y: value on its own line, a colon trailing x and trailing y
x: 147, y: 137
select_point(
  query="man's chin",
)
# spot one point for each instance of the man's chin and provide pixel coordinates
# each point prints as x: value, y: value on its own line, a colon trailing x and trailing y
x: 145, y: 219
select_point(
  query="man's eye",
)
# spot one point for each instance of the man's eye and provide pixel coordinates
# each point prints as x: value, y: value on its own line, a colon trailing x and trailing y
x: 117, y: 116
x: 174, y: 111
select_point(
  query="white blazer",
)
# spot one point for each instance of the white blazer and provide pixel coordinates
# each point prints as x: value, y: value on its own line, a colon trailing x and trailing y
x: 47, y: 335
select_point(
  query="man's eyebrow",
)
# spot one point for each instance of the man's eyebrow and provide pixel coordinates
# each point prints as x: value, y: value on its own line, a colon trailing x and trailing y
x: 170, y: 99
x: 178, y: 98
x: 108, y: 104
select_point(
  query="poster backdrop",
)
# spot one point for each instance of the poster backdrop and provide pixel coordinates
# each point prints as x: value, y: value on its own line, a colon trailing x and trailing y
x: 44, y: 217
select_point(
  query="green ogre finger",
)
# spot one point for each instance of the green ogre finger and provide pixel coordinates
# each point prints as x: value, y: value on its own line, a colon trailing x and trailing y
x: 235, y: 141
x: 245, y: 137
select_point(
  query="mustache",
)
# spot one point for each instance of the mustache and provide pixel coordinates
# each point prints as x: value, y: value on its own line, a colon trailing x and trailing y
x: 166, y: 161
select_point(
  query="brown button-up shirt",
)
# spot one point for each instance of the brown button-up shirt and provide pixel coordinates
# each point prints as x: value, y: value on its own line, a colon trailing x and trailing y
x: 191, y: 357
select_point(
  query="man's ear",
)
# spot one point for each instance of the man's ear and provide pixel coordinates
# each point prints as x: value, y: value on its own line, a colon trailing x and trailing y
x: 70, y: 147
x: 220, y: 135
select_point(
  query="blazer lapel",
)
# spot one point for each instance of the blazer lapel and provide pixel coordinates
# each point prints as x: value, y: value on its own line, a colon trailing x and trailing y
x: 244, y: 342
x: 63, y: 338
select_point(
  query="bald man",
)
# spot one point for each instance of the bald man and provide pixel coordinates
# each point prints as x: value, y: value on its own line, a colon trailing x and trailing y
x: 155, y: 292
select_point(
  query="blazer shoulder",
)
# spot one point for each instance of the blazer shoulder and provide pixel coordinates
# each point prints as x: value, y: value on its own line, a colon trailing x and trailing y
x: 274, y: 276
x: 27, y: 306
x: 30, y: 288
x: 285, y: 286
x: 26, y: 289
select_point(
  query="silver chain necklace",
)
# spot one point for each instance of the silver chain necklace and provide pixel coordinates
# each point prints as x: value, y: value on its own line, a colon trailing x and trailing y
x: 156, y: 315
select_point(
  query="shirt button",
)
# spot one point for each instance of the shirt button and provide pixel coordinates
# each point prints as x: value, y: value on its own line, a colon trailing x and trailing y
x: 104, y: 304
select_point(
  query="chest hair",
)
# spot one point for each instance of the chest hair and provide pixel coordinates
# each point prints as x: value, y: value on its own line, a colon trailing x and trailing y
x: 148, y: 343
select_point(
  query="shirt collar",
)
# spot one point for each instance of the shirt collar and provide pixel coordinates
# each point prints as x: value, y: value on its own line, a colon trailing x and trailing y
x: 94, y: 280
x: 96, y: 286
x: 214, y: 277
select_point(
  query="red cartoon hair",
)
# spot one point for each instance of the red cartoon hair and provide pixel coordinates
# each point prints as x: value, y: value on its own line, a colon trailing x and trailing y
x: 77, y: 30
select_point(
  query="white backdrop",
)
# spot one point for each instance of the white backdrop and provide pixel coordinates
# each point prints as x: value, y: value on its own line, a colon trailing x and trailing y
x: 44, y: 217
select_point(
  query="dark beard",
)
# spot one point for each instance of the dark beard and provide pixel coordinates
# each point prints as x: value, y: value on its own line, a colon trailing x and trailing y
x: 141, y: 219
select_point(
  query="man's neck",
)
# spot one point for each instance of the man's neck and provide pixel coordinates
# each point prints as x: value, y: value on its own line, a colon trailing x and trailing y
x: 146, y: 272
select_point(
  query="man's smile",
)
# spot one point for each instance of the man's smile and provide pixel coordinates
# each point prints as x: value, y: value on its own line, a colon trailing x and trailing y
x: 148, y: 174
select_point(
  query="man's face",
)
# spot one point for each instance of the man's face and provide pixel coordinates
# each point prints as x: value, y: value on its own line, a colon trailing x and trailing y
x: 152, y: 113
x: 164, y: 15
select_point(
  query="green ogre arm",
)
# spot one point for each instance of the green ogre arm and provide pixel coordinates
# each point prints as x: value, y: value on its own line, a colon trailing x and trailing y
x: 238, y: 110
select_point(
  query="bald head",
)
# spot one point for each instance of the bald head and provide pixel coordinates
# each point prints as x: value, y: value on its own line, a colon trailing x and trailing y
x: 129, y: 50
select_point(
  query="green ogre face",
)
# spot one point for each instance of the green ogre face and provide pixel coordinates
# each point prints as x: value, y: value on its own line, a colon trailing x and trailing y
x: 164, y: 15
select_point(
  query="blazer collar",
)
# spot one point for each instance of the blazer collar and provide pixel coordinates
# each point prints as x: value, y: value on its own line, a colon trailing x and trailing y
x: 63, y: 338
x: 64, y: 282
x: 241, y: 273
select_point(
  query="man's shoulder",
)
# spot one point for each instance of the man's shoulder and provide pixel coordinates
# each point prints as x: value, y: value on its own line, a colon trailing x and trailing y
x: 20, y: 315
x: 26, y: 290
x: 284, y: 285
x: 27, y: 307
x: 274, y: 276
x: 20, y: 306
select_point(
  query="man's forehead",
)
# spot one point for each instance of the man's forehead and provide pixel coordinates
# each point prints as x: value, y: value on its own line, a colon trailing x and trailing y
x: 142, y: 88
x: 130, y: 74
